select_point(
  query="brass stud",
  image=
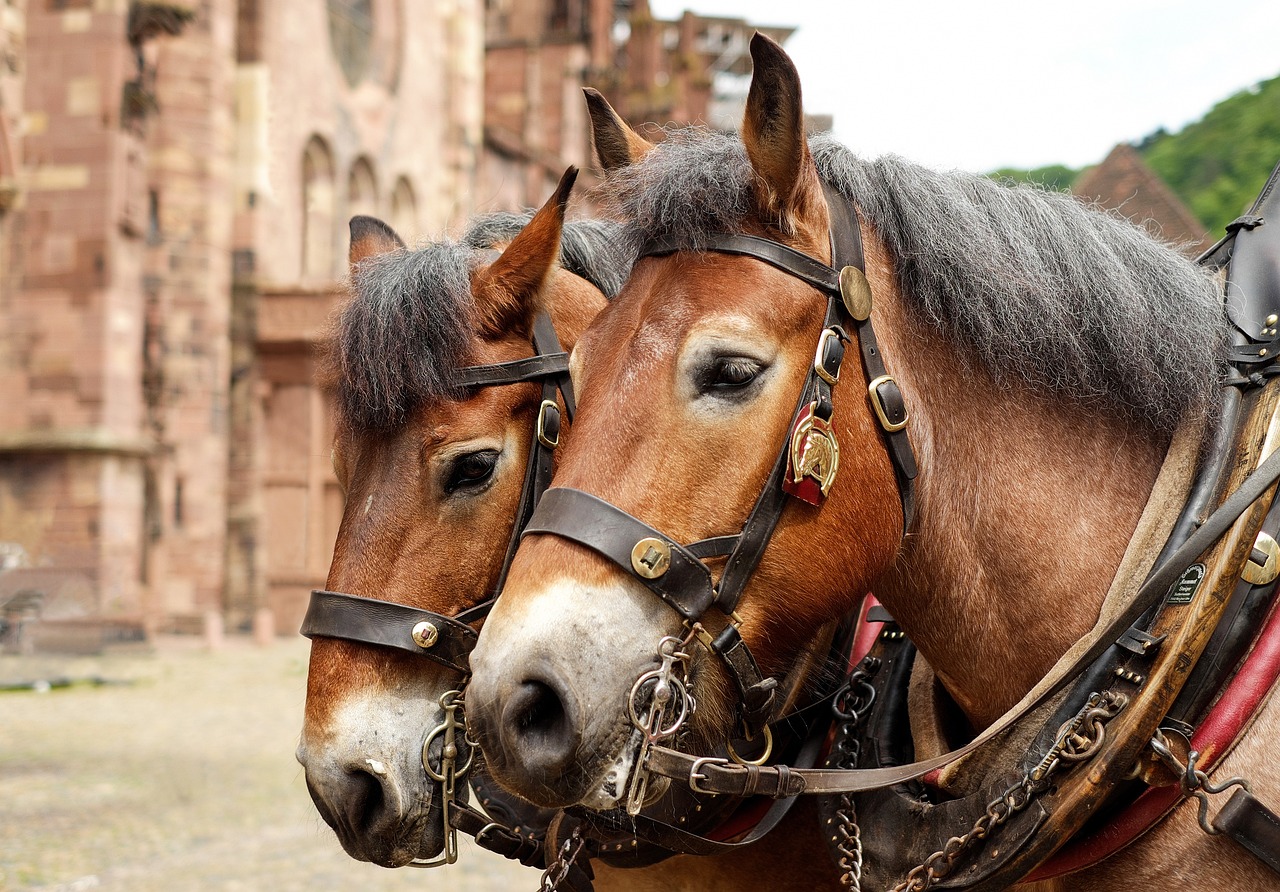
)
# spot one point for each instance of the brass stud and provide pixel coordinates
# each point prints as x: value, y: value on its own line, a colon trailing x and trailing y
x: 425, y: 634
x: 1272, y: 319
x: 856, y: 293
x: 650, y: 557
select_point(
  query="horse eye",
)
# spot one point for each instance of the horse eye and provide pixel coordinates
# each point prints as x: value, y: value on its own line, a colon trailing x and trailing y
x: 471, y: 471
x: 728, y: 373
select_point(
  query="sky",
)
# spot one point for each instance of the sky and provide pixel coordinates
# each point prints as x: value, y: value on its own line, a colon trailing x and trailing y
x: 984, y: 85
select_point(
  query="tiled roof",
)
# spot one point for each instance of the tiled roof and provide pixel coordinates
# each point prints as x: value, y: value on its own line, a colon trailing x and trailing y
x: 1125, y: 183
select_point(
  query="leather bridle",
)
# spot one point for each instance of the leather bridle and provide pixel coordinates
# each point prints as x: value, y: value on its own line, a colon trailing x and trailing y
x: 449, y: 640
x: 678, y: 573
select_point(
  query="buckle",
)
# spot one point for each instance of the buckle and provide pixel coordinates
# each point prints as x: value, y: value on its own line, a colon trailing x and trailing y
x: 695, y: 773
x: 873, y: 391
x: 549, y: 434
x: 836, y: 356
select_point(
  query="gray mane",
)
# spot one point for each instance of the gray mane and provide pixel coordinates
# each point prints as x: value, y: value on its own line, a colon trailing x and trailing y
x: 1038, y: 288
x: 408, y: 328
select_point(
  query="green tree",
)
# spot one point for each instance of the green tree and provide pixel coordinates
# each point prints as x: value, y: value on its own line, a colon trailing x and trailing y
x: 1218, y: 164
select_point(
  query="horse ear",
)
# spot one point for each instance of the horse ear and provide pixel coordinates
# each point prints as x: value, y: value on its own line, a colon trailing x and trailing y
x: 617, y: 145
x: 507, y: 291
x: 370, y: 237
x: 773, y: 132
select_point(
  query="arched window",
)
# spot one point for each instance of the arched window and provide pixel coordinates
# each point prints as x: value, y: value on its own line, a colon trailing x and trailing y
x: 317, y: 210
x: 362, y: 189
x: 404, y: 211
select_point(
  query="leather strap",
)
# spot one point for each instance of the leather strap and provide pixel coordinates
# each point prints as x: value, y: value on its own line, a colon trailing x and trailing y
x: 515, y: 371
x: 613, y: 533
x: 847, y: 251
x: 1253, y: 825
x: 808, y: 269
x: 370, y: 621
x: 495, y: 836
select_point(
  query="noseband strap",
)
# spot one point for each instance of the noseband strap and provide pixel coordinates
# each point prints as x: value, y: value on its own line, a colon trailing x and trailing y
x: 370, y: 621
x: 685, y: 582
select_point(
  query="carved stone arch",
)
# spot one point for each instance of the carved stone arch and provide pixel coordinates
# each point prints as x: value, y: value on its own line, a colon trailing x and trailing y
x: 362, y: 189
x: 318, y: 210
x: 404, y: 210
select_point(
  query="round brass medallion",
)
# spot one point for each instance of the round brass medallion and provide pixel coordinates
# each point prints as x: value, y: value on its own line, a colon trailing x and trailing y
x: 650, y: 557
x: 425, y: 634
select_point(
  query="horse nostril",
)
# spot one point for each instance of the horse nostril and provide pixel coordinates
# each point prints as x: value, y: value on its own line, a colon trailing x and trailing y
x: 540, y: 727
x: 367, y: 803
x: 538, y: 709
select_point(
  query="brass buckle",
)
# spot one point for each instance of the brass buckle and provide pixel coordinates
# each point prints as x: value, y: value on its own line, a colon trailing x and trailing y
x: 873, y: 391
x: 758, y: 760
x: 695, y: 773
x: 542, y: 425
x: 827, y: 333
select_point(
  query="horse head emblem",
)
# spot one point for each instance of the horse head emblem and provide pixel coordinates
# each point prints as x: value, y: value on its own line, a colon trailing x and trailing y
x: 812, y: 460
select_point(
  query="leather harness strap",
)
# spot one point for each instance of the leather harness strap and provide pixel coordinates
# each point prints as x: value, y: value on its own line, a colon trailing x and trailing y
x: 1252, y: 825
x: 369, y: 621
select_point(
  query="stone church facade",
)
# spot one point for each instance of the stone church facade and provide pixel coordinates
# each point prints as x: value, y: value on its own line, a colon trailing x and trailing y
x: 175, y: 181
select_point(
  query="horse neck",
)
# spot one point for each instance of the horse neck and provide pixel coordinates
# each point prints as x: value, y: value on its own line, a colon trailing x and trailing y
x: 1025, y: 505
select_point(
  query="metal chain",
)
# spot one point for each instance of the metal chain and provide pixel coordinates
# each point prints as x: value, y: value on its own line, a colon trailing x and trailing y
x: 558, y: 869
x: 1078, y: 739
x: 849, y: 844
x: 451, y: 730
x: 851, y: 705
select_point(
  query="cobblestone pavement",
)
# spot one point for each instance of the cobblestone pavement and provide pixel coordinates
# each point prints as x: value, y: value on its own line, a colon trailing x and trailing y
x: 179, y: 777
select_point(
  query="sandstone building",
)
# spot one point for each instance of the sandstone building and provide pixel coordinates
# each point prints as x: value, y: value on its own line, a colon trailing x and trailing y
x: 175, y: 180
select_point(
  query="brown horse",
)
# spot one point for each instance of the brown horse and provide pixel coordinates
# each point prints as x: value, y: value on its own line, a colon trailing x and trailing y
x: 432, y: 474
x: 1047, y: 354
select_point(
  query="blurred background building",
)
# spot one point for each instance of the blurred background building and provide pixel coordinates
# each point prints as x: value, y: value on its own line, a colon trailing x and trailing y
x: 175, y: 181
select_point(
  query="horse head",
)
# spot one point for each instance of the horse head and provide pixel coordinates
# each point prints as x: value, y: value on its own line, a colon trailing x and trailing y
x: 688, y: 386
x: 432, y: 466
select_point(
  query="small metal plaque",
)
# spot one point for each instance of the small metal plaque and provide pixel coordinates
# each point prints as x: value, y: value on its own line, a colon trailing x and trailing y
x: 856, y: 293
x: 650, y: 557
x: 425, y: 634
x: 1184, y: 590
